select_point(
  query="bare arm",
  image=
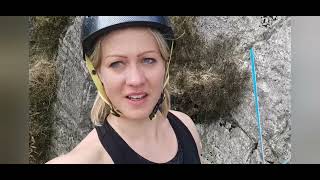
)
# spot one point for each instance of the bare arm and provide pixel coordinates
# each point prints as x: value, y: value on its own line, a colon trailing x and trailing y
x: 88, y: 151
x: 69, y: 158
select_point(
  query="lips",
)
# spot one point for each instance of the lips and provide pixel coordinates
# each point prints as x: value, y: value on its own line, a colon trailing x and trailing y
x: 137, y: 96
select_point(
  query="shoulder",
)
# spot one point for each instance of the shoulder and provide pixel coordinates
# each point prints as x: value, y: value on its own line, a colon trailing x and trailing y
x: 88, y: 151
x: 188, y: 122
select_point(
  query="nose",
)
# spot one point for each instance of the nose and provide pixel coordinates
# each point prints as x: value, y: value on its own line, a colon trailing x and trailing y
x: 135, y: 76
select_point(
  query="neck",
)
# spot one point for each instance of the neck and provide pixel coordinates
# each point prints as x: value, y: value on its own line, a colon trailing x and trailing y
x: 137, y: 129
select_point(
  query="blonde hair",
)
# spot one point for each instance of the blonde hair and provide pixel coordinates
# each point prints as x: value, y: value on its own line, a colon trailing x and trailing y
x: 100, y: 109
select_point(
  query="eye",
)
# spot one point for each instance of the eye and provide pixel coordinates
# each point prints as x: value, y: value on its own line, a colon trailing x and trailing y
x: 116, y: 64
x: 149, y: 60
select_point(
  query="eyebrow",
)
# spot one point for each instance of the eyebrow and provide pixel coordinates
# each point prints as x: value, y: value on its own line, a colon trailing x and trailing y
x: 122, y: 56
x: 151, y: 51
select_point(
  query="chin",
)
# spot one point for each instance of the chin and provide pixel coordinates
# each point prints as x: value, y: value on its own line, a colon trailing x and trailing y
x: 136, y: 115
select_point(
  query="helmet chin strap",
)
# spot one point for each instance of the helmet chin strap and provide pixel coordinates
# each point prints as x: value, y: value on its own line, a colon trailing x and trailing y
x: 103, y: 95
x: 100, y: 88
x: 157, y: 107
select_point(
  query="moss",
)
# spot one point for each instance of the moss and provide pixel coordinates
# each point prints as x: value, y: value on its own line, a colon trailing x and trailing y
x: 206, y: 82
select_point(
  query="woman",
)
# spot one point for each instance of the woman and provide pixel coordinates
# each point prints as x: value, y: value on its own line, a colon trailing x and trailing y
x: 128, y: 59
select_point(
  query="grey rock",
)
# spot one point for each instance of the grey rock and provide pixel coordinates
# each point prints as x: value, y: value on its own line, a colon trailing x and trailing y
x: 273, y: 68
x: 75, y: 94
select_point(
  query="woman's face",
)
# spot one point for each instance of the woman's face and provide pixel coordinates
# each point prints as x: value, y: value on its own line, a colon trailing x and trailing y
x: 132, y: 71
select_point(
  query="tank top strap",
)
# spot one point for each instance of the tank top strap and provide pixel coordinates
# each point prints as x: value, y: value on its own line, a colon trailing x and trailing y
x: 189, y: 147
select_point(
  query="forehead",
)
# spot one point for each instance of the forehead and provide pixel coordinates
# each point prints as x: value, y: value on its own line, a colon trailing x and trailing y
x: 129, y: 40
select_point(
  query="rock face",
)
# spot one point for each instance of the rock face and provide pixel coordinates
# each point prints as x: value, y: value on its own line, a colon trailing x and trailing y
x: 214, y: 87
x: 233, y: 137
x: 75, y: 94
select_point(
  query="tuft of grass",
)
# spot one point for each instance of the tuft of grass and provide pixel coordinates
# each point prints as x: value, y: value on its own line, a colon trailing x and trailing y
x: 206, y: 82
x: 42, y: 87
x: 45, y: 32
x: 44, y: 35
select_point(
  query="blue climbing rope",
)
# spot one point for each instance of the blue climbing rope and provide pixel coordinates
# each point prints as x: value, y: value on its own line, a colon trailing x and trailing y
x: 256, y: 103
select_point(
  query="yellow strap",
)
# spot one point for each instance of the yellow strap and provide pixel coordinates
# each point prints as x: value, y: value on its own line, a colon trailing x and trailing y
x: 99, y: 85
x: 96, y: 80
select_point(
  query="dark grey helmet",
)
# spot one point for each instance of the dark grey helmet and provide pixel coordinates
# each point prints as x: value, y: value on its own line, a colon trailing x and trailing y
x: 95, y: 26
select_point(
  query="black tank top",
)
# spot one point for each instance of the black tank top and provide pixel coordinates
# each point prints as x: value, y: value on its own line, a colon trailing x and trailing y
x: 121, y: 153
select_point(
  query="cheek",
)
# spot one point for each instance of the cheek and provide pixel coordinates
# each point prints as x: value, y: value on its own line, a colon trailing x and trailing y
x: 157, y: 76
x: 110, y: 82
x: 162, y: 73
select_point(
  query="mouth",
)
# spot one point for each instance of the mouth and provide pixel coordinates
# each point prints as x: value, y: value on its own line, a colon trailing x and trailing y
x: 136, y: 97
